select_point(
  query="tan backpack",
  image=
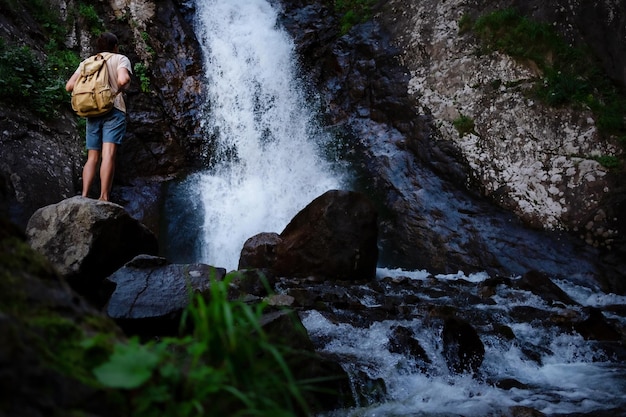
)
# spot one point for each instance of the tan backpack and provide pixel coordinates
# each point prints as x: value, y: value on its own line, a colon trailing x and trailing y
x: 92, y: 95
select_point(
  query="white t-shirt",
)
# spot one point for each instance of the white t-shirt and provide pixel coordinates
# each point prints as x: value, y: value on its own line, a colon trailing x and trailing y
x: 114, y: 62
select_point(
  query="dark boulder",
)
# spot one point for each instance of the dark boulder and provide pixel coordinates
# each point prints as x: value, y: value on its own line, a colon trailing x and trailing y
x: 44, y: 327
x: 335, y: 236
x: 402, y: 340
x: 596, y: 327
x: 150, y: 294
x: 259, y: 251
x: 463, y: 350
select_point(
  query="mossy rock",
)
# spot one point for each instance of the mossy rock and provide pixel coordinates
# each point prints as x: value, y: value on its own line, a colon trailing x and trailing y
x: 51, y: 337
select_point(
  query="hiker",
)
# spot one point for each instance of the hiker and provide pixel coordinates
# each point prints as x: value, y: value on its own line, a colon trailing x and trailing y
x: 105, y: 133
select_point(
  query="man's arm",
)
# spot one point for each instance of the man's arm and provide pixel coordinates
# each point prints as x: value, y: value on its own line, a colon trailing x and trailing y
x: 123, y: 78
x: 69, y: 86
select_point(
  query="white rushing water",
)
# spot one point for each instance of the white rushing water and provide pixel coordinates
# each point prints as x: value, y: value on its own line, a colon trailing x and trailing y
x: 259, y: 118
x: 572, y: 376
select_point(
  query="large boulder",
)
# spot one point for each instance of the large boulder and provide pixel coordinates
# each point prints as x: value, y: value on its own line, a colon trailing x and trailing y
x: 150, y: 294
x: 335, y: 236
x: 87, y: 240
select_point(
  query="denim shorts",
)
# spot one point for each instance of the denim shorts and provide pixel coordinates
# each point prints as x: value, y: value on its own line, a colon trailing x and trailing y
x: 109, y: 128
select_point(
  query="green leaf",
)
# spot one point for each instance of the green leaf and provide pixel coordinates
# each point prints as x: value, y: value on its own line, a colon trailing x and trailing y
x: 129, y: 367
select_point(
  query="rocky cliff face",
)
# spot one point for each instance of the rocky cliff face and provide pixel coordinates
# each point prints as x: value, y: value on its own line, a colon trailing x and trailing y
x: 534, y: 159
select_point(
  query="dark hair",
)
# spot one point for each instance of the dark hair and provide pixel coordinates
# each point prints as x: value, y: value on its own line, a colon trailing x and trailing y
x: 106, y: 42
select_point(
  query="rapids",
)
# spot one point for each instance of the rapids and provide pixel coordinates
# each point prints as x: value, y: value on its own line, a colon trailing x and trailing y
x: 543, y: 368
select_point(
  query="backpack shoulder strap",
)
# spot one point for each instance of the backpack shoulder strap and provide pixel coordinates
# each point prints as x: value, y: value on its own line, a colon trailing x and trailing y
x: 93, y: 64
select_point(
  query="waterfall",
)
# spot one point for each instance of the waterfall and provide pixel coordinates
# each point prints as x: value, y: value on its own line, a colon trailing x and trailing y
x: 266, y: 148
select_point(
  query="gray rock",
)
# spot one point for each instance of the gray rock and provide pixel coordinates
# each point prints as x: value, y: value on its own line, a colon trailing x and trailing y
x: 150, y: 294
x: 87, y: 240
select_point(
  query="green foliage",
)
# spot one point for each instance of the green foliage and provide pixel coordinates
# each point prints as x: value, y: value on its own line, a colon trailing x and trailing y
x: 465, y: 23
x: 62, y: 60
x: 81, y: 125
x: 464, y: 125
x: 353, y: 12
x: 46, y: 14
x: 91, y: 18
x: 508, y: 31
x: 130, y: 366
x: 609, y: 161
x: 226, y: 367
x: 141, y: 71
x: 37, y: 83
x: 146, y: 38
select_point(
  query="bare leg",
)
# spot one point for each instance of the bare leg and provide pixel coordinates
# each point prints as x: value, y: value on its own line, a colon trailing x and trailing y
x: 107, y: 169
x: 89, y: 170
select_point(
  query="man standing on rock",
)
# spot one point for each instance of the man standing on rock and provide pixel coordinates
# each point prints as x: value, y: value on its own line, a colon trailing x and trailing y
x: 105, y: 133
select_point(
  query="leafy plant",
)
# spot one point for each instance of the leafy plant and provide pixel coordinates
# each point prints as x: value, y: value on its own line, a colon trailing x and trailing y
x: 146, y: 38
x: 465, y: 23
x: 464, y: 125
x: 608, y: 161
x: 141, y: 71
x: 91, y: 18
x: 36, y: 83
x: 353, y: 12
x: 227, y: 366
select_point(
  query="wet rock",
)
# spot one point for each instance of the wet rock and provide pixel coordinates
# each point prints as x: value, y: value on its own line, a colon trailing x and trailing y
x: 540, y: 284
x: 510, y: 383
x: 370, y: 390
x: 504, y: 331
x: 402, y: 340
x: 150, y: 294
x: 251, y: 282
x: 536, y: 353
x: 523, y: 411
x: 462, y: 348
x: 335, y: 237
x: 597, y: 327
x: 259, y: 251
x: 489, y: 286
x: 87, y: 240
x: 283, y: 326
